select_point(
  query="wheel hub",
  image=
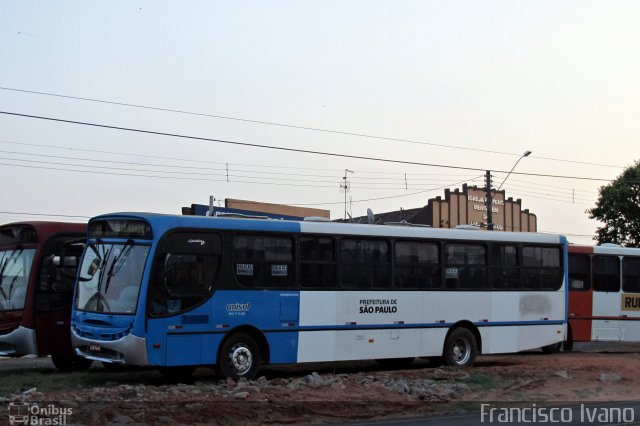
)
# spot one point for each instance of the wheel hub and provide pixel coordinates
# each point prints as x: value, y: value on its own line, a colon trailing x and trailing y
x: 461, y: 351
x: 241, y: 359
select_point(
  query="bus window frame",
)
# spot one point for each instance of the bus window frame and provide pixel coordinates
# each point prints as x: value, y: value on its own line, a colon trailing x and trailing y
x: 623, y: 276
x: 594, y: 273
x: 341, y: 263
x: 439, y: 243
x: 299, y: 262
x: 156, y: 263
x: 589, y: 283
x: 293, y: 263
x: 466, y: 265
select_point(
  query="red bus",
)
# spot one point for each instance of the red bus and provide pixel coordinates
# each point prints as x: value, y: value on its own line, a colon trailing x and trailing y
x: 38, y: 263
x: 604, y: 294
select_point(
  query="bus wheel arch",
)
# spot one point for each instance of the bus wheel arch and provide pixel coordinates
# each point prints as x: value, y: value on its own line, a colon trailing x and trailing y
x: 250, y: 345
x: 462, y: 344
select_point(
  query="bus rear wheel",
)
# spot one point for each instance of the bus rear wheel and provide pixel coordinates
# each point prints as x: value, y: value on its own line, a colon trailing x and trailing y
x: 460, y: 348
x: 70, y: 362
x: 552, y: 349
x: 239, y: 357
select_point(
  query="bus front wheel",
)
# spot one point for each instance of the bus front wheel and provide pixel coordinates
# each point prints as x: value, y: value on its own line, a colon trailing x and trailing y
x: 239, y: 357
x: 70, y: 362
x: 460, y: 348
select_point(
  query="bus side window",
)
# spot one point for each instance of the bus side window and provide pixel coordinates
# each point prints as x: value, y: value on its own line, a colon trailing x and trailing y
x: 631, y: 274
x: 417, y: 265
x: 263, y: 261
x: 579, y: 274
x: 505, y: 274
x: 606, y: 273
x: 541, y: 268
x: 185, y: 269
x: 317, y: 262
x: 364, y: 263
x: 466, y: 266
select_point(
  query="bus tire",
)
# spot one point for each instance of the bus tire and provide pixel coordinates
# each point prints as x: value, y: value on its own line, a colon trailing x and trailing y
x: 239, y: 357
x: 460, y: 348
x: 567, y: 345
x: 70, y: 362
x: 552, y: 349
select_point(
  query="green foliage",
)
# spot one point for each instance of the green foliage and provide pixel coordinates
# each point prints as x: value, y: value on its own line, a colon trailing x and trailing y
x: 618, y: 207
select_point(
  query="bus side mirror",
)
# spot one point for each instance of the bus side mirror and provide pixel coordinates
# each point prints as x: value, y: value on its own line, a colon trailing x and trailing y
x: 93, y: 267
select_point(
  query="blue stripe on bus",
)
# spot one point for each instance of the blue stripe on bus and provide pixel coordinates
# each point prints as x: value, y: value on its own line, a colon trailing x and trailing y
x: 379, y: 327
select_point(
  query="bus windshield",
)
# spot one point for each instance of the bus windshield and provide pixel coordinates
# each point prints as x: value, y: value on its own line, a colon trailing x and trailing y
x: 15, y: 268
x: 110, y: 276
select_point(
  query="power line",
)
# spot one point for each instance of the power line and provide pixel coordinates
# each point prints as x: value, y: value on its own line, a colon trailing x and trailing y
x: 386, y: 198
x: 233, y: 178
x: 388, y: 180
x: 192, y: 160
x: 279, y: 148
x: 45, y: 214
x: 292, y: 126
x: 565, y: 188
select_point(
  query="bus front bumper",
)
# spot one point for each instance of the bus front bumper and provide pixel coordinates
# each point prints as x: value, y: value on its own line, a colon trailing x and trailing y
x: 21, y: 341
x: 129, y: 350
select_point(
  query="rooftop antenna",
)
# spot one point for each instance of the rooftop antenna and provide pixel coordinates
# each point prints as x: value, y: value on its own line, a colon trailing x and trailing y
x: 371, y: 219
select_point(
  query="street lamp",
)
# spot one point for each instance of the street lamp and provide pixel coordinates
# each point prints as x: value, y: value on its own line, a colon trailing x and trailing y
x: 526, y: 154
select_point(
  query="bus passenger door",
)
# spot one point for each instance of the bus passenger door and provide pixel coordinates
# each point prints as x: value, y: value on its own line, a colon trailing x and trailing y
x: 180, y: 324
x: 54, y: 293
x: 580, y: 296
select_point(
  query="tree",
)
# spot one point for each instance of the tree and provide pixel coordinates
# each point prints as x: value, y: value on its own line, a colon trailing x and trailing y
x: 618, y: 207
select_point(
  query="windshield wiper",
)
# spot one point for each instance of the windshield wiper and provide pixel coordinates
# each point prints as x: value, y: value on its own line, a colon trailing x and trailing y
x: 103, y: 264
x: 122, y: 256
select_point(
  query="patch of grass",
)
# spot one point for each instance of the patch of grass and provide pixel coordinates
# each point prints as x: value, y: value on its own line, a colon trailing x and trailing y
x: 18, y: 381
x: 484, y: 381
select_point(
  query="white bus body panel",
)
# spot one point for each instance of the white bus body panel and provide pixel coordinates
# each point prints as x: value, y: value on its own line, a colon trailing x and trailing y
x: 507, y: 322
x: 606, y: 304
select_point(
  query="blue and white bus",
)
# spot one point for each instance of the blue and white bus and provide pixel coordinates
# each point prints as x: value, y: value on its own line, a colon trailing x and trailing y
x: 178, y: 292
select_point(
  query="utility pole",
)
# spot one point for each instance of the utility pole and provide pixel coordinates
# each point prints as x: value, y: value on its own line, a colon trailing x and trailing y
x: 489, y: 202
x: 345, y: 185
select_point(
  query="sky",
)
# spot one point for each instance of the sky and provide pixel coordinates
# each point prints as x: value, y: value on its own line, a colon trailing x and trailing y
x: 461, y: 84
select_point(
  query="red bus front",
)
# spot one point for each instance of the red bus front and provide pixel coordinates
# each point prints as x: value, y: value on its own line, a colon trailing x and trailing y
x: 38, y: 262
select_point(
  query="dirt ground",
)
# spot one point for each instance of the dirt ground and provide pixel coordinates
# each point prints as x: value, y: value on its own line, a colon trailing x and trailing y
x: 341, y: 392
